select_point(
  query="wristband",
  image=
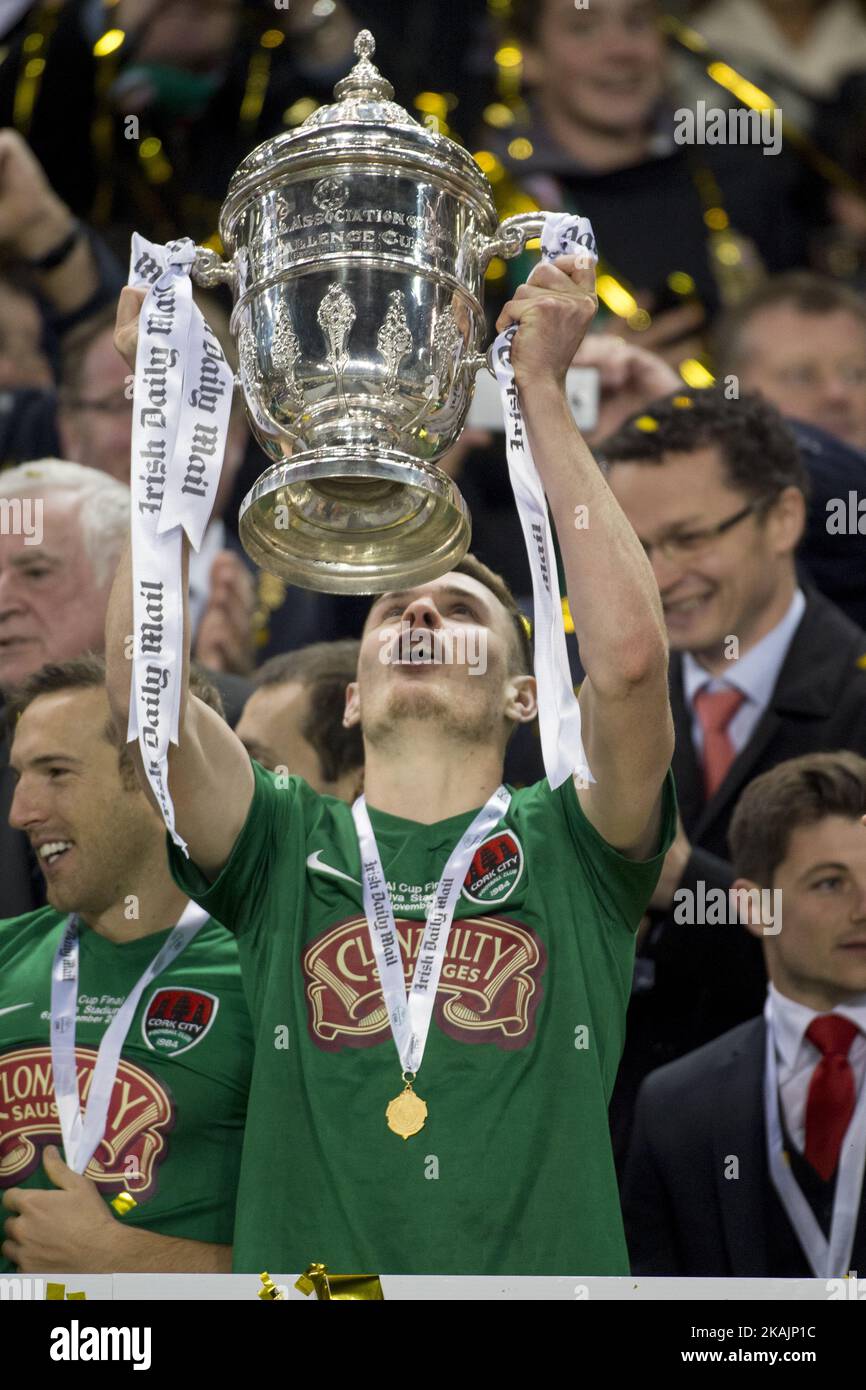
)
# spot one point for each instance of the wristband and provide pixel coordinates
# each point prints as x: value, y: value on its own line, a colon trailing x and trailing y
x: 56, y: 257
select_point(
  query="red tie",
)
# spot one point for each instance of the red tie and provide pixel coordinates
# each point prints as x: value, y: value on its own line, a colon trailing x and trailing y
x: 715, y: 710
x: 830, y: 1102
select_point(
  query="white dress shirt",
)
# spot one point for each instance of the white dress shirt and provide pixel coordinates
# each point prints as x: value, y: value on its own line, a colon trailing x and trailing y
x: 754, y: 675
x: 797, y: 1057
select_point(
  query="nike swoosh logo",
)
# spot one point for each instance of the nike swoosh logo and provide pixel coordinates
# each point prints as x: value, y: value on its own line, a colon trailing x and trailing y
x: 314, y: 862
x: 12, y: 1007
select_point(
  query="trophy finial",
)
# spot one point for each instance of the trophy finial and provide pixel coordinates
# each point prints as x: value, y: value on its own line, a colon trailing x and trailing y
x: 365, y: 79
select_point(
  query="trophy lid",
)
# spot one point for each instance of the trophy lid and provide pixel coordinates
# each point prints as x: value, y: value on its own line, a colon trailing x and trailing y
x: 363, y: 95
x: 363, y: 115
x: 364, y: 78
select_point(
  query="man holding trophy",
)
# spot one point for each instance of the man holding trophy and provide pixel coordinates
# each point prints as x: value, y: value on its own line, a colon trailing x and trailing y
x: 438, y: 976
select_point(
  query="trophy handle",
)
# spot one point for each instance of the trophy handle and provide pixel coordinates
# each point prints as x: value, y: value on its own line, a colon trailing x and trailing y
x: 508, y: 241
x: 209, y: 270
x: 511, y: 236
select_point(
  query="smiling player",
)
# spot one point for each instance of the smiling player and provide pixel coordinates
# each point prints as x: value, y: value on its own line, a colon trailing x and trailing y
x: 161, y: 1071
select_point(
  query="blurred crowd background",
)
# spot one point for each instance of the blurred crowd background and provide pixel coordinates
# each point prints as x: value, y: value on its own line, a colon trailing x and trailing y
x: 731, y: 334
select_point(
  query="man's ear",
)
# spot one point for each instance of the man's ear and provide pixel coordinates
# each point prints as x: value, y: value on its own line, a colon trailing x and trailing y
x: 352, y: 712
x: 745, y: 898
x: 790, y: 516
x: 521, y: 699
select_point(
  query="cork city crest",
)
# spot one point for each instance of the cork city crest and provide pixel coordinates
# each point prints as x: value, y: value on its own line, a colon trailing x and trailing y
x: 495, y: 871
x: 489, y: 990
x: 140, y: 1115
x: 176, y: 1019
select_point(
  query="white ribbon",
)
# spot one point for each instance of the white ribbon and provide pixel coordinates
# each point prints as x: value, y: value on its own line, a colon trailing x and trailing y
x: 410, y: 1016
x: 558, y: 711
x: 827, y: 1259
x: 181, y: 406
x: 83, y: 1133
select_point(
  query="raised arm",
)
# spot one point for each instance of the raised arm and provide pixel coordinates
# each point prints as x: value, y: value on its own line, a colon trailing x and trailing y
x: 627, y: 722
x: 36, y: 226
x: 210, y: 775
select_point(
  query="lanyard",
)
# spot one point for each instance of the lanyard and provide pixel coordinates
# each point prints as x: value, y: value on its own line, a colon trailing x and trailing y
x: 828, y: 1259
x: 83, y: 1133
x: 410, y: 1016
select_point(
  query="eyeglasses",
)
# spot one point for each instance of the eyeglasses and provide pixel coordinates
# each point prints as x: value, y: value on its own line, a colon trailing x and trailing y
x: 692, y: 542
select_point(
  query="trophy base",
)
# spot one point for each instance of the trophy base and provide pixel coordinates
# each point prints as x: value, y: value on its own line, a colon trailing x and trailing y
x: 355, y: 520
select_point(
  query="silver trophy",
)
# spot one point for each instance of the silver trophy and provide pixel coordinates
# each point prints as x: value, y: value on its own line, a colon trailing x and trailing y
x: 356, y: 249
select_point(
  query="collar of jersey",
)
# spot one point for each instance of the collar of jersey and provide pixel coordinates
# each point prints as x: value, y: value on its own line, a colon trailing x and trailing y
x: 440, y: 833
x: 143, y: 947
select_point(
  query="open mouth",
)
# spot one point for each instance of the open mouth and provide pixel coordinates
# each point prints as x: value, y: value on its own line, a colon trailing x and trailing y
x: 52, y: 851
x: 422, y: 649
x: 686, y: 606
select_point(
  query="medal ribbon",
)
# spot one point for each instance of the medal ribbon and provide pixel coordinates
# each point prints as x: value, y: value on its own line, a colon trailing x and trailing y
x: 181, y: 405
x: 410, y: 1016
x: 827, y: 1259
x: 82, y: 1134
x: 558, y: 710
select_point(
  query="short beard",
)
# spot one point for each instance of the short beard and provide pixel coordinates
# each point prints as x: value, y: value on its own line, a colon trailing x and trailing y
x: 427, y: 707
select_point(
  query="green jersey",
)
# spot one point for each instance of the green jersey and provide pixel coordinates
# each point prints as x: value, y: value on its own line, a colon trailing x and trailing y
x: 175, y: 1124
x: 513, y: 1171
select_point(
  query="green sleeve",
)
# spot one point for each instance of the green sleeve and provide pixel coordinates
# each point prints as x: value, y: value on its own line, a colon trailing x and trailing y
x: 242, y: 884
x: 623, y: 887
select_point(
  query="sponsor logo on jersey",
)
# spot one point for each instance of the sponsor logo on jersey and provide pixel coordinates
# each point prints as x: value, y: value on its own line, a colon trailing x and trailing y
x: 315, y: 861
x: 176, y: 1019
x: 12, y: 1008
x: 495, y: 871
x: 489, y: 989
x: 140, y: 1115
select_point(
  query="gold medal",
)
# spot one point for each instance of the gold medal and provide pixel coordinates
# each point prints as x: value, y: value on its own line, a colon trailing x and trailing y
x: 407, y: 1112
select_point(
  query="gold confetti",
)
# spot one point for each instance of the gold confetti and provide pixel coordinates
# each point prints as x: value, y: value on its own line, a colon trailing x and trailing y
x: 270, y: 1290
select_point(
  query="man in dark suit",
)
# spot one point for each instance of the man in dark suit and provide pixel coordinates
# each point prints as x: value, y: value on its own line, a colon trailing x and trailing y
x: 62, y: 528
x: 799, y: 340
x: 743, y: 1164
x: 762, y: 669
x: 833, y: 552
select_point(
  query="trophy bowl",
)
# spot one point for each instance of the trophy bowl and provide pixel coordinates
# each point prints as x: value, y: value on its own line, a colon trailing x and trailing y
x: 356, y: 247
